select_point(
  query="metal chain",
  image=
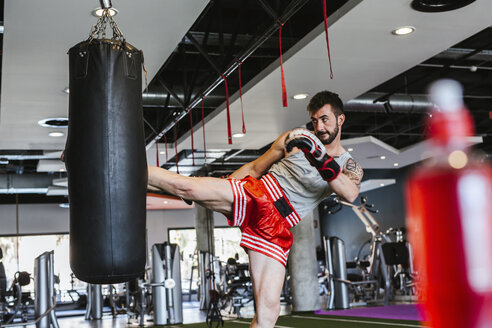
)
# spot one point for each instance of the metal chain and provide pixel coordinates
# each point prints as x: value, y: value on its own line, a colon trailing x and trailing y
x: 99, y: 29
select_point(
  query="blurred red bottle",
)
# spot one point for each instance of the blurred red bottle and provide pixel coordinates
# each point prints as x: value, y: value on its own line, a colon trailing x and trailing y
x: 449, y: 216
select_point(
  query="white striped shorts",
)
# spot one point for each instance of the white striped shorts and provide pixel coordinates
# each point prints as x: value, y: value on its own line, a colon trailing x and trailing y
x: 264, y: 215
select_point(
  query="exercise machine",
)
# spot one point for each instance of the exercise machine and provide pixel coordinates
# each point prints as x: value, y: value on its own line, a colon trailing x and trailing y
x: 166, y: 284
x: 373, y: 270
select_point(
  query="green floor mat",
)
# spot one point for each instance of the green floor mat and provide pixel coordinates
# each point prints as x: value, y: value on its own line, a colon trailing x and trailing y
x: 318, y: 321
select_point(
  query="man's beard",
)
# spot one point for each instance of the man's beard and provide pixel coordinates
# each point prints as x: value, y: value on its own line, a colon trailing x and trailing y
x: 331, y: 135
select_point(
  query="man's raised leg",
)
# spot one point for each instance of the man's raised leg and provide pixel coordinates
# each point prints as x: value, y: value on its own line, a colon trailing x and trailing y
x: 212, y: 193
x: 268, y: 277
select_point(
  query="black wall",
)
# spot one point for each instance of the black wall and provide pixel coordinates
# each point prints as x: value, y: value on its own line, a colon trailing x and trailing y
x: 389, y: 200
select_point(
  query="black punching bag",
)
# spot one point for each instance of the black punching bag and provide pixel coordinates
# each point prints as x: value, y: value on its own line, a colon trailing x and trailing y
x: 106, y: 162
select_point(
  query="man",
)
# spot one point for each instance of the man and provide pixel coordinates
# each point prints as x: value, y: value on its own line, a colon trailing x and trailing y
x: 268, y: 196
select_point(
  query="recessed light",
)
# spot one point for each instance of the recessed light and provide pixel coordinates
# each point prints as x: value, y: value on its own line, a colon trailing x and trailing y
x: 458, y: 159
x: 403, y: 30
x: 66, y: 90
x: 54, y: 122
x: 61, y: 170
x: 162, y: 152
x: 395, y: 164
x: 64, y: 205
x: 56, y: 134
x: 382, y: 157
x: 99, y: 11
x: 300, y: 96
x: 350, y: 149
x: 381, y: 184
x: 238, y: 135
x: 165, y: 202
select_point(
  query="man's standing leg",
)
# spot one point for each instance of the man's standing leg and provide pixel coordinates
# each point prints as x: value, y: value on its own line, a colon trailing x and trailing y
x: 267, y: 276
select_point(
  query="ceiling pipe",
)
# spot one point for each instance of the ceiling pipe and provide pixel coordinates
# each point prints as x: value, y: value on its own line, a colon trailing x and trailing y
x: 24, y: 184
x: 159, y: 99
x: 397, y: 103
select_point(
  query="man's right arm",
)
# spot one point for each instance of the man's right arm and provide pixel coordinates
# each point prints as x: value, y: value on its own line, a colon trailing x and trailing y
x: 260, y: 166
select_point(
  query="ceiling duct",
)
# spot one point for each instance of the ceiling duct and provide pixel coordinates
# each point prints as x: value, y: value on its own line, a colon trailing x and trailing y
x: 397, y: 103
x: 28, y: 155
x: 154, y: 99
x: 24, y: 184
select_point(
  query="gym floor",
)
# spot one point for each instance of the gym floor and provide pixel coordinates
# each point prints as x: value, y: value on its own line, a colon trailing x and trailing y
x: 315, y: 321
x: 195, y: 318
x: 287, y: 321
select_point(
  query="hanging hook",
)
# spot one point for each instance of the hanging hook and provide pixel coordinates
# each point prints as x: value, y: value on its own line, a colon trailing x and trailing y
x: 105, y: 4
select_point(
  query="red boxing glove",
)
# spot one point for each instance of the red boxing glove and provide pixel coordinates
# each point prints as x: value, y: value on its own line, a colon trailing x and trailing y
x: 315, y: 152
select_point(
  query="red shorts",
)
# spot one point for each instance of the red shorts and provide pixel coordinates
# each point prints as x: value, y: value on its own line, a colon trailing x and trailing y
x: 264, y: 215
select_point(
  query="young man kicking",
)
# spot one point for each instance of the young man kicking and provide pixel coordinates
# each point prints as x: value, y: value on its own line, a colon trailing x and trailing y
x: 267, y: 197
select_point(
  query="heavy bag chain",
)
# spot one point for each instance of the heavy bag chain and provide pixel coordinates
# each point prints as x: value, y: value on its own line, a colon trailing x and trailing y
x: 99, y: 30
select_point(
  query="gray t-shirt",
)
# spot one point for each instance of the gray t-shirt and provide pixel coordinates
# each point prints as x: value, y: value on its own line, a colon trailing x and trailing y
x: 301, y: 182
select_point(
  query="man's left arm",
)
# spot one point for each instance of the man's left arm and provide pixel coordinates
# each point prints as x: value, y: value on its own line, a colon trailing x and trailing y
x: 347, y: 184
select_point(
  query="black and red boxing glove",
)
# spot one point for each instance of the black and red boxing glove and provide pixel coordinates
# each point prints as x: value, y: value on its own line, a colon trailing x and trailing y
x: 314, y: 151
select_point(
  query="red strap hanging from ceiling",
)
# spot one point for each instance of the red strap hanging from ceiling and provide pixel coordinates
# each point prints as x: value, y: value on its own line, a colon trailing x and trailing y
x: 229, y: 131
x: 165, y: 146
x: 192, y: 143
x: 327, y: 40
x: 157, y: 152
x: 203, y: 129
x: 241, y: 95
x: 284, y: 89
x: 176, y: 147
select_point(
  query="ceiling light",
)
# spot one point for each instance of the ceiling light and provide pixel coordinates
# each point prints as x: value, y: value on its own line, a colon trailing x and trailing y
x: 99, y: 11
x: 61, y: 170
x: 350, y: 149
x: 56, y: 134
x: 458, y: 159
x: 395, y: 164
x: 54, y: 122
x: 300, y: 96
x: 382, y: 157
x: 238, y: 135
x: 404, y: 30
x: 66, y: 90
x: 165, y: 202
x: 64, y: 205
x: 162, y: 152
x: 381, y: 184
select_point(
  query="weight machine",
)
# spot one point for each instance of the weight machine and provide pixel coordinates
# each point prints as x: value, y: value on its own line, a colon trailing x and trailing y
x: 336, y: 269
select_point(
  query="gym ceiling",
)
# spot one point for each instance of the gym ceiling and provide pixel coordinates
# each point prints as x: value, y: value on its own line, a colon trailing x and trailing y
x: 190, y: 44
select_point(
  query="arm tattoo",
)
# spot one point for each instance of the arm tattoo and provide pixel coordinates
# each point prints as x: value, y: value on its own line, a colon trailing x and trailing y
x: 354, y: 171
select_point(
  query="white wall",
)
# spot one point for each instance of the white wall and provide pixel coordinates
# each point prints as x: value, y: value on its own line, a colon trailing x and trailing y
x: 159, y: 221
x: 34, y: 219
x: 7, y: 219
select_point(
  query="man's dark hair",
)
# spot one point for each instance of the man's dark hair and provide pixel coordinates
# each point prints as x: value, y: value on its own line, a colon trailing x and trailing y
x: 325, y: 98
